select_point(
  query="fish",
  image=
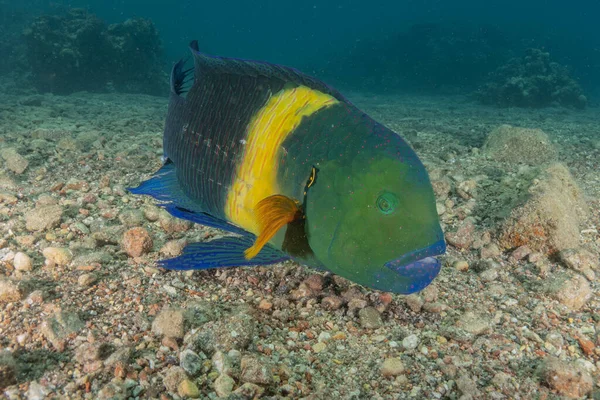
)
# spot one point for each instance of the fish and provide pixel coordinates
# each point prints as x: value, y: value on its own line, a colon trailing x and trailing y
x: 292, y: 170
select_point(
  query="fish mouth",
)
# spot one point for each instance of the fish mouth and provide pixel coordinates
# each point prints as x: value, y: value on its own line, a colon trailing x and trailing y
x: 420, y: 267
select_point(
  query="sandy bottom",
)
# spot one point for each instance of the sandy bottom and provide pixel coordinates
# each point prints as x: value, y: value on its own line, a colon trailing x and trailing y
x: 85, y: 319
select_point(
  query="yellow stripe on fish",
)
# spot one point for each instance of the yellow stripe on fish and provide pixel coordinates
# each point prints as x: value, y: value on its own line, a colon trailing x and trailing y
x: 256, y: 177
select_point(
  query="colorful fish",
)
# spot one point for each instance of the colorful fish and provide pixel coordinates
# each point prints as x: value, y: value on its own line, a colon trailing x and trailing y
x: 296, y: 171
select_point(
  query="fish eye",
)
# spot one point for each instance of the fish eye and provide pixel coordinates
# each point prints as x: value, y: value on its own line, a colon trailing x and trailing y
x: 387, y: 202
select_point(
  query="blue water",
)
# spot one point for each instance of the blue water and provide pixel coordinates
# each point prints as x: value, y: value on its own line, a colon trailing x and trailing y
x: 337, y: 40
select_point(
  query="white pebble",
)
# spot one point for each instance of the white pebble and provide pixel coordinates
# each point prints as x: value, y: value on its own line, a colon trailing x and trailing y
x: 22, y: 262
x: 410, y: 342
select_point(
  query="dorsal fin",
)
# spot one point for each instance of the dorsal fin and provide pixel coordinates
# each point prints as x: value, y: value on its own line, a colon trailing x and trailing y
x: 206, y: 65
x: 180, y: 77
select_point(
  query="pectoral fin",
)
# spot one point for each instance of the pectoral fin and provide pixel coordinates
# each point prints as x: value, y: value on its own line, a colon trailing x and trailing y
x: 272, y: 213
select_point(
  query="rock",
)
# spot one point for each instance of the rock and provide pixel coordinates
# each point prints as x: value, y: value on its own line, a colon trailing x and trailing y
x: 169, y: 322
x: 112, y: 391
x: 190, y: 362
x: 248, y: 391
x: 332, y: 302
x: 188, y: 389
x: 37, y: 391
x: 171, y: 224
x: 490, y: 251
x: 222, y: 363
x: 230, y: 332
x: 461, y: 265
x: 516, y: 145
x: 489, y: 275
x: 131, y: 217
x: 13, y: 160
x: 8, y: 370
x: 573, y: 292
x: 9, y: 291
x: 22, y: 262
x: 43, y: 218
x: 254, y: 371
x: 319, y: 347
x: 414, y: 302
x: 568, y: 379
x: 474, y: 323
x: 549, y: 220
x: 223, y: 385
x: 57, y: 256
x: 174, y: 376
x: 463, y: 236
x: 314, y: 282
x: 370, y: 318
x: 580, y: 260
x: 58, y: 327
x: 467, y: 387
x: 410, y: 342
x: 392, y: 367
x: 86, y: 280
x: 520, y: 253
x: 173, y: 248
x: 136, y: 242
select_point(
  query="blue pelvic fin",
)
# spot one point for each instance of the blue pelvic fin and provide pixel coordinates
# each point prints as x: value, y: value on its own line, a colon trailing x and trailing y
x: 165, y: 187
x: 224, y: 252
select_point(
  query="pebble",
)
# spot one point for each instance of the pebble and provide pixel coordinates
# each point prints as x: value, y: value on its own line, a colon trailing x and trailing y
x: 520, y: 253
x: 568, y: 379
x: 131, y: 217
x: 136, y: 242
x: 43, y: 218
x: 59, y: 327
x: 22, y: 262
x: 14, y: 161
x: 574, y: 292
x: 86, y: 280
x: 169, y: 322
x: 461, y: 265
x: 57, y: 256
x: 36, y: 391
x: 463, y: 236
x: 190, y: 362
x: 255, y: 371
x: 410, y: 342
x: 173, y: 377
x: 222, y: 363
x: 223, y: 385
x: 490, y: 251
x: 414, y: 302
x: 187, y: 388
x: 370, y: 318
x: 474, y: 323
x: 248, y: 391
x: 489, y: 275
x: 9, y: 291
x: 319, y: 347
x: 173, y: 248
x: 580, y: 260
x: 392, y: 367
x: 332, y: 302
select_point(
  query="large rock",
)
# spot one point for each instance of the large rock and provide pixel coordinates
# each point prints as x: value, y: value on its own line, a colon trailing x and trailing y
x: 519, y: 145
x: 549, y: 221
x: 14, y: 161
x: 44, y: 217
x: 568, y: 379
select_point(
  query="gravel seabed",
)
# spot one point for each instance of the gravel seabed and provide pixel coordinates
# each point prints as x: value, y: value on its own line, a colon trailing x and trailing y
x: 85, y: 313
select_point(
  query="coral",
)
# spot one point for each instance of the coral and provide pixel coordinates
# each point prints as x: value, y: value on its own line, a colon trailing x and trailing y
x: 517, y: 145
x: 532, y: 81
x: 77, y: 51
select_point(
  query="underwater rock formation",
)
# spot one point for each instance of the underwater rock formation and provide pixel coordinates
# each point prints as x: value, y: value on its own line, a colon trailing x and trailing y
x: 77, y: 51
x: 549, y: 221
x: 532, y: 81
x: 517, y: 145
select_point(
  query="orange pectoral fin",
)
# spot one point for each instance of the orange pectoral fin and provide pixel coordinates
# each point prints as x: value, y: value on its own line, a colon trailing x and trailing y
x: 272, y: 213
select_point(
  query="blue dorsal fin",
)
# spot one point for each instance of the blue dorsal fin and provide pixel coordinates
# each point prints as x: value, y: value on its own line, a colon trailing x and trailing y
x: 224, y: 252
x: 165, y: 187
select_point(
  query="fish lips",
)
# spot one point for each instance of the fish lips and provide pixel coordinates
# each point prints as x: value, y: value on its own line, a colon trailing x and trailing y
x: 419, y: 267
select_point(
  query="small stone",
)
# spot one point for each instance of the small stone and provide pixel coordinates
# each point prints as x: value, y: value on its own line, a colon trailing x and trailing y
x: 9, y: 291
x: 332, y: 302
x: 265, y: 305
x: 152, y: 213
x: 36, y: 391
x: 414, y: 302
x: 249, y: 391
x: 319, y: 347
x: 189, y: 389
x: 314, y: 282
x: 136, y: 242
x: 57, y: 256
x: 22, y: 262
x: 190, y: 362
x: 410, y: 342
x: 463, y: 236
x: 370, y: 318
x: 223, y: 385
x: 171, y: 224
x: 254, y: 371
x: 520, y: 253
x: 174, y: 376
x: 490, y: 251
x: 489, y: 275
x: 59, y: 327
x: 222, y: 363
x: 474, y: 323
x: 43, y: 218
x: 586, y: 345
x: 568, y: 379
x: 170, y: 342
x: 131, y: 217
x: 14, y: 161
x: 467, y: 387
x: 392, y: 367
x: 580, y: 260
x: 173, y: 248
x: 86, y: 280
x: 573, y: 293
x: 461, y: 265
x: 169, y: 323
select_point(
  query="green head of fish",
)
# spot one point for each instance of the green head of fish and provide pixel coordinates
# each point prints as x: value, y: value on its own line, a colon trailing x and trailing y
x: 371, y: 216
